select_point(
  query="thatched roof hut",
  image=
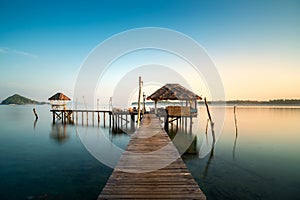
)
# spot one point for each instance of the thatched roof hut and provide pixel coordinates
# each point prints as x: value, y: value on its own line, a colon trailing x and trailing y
x: 59, y: 97
x: 59, y: 101
x: 176, y: 92
x: 173, y: 92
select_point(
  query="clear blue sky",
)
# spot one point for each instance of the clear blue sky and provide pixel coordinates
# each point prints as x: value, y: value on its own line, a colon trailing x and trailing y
x: 254, y: 43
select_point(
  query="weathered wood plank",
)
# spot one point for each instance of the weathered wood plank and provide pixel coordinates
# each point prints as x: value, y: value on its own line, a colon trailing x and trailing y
x: 151, y: 168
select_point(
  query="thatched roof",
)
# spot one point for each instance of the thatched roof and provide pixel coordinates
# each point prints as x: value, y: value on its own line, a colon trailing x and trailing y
x: 173, y: 92
x: 59, y: 97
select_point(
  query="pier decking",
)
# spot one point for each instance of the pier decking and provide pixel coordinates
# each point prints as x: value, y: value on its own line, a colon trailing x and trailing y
x: 151, y: 168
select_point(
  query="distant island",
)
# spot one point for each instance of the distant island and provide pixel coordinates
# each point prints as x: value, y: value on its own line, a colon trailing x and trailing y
x: 19, y: 100
x: 273, y: 102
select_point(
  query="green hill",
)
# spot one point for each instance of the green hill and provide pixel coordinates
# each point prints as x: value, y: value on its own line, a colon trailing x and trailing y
x: 19, y: 100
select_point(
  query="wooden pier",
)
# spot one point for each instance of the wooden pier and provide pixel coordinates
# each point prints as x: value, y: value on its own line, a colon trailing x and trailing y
x: 114, y: 120
x: 151, y: 168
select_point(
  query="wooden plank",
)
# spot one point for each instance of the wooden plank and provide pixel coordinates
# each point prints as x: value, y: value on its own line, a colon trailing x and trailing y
x: 151, y: 168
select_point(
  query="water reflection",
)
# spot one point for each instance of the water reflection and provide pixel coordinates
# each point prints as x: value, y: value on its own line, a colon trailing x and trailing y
x: 208, y: 162
x: 182, y: 137
x: 34, y: 123
x: 59, y: 132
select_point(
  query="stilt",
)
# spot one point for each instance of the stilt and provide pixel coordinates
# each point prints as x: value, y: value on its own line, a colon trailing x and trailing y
x: 93, y: 117
x: 191, y: 124
x: 104, y: 119
x: 53, y: 117
x: 87, y: 118
x: 126, y: 117
x: 109, y: 120
x: 82, y: 118
x: 76, y: 117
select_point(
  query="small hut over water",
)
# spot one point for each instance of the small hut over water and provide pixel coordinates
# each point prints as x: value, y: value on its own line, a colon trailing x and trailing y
x: 179, y: 93
x: 59, y: 101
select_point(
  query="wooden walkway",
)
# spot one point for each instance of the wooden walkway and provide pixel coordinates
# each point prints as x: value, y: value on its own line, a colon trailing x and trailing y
x: 151, y: 168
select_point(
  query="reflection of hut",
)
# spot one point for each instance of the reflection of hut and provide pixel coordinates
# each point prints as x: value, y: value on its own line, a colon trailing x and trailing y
x: 59, y: 132
x: 59, y: 101
x: 179, y: 93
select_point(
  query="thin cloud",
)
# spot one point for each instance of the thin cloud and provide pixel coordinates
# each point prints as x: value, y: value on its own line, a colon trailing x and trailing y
x: 18, y: 52
x: 23, y: 53
x: 3, y: 50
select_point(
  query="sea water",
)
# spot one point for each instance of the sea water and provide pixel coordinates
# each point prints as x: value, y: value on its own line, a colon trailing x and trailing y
x: 39, y: 160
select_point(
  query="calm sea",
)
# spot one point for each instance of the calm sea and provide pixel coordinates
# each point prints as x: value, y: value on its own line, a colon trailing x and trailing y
x: 39, y: 160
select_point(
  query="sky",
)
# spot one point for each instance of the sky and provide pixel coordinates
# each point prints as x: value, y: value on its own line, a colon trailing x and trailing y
x: 254, y: 44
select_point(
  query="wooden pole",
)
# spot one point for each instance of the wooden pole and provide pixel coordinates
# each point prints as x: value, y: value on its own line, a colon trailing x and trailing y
x: 139, y: 102
x: 93, y: 117
x: 82, y: 118
x: 211, y: 122
x: 104, y: 119
x: 235, y: 121
x: 98, y: 115
x: 144, y: 104
x: 109, y: 120
x: 34, y: 112
x: 191, y: 124
x: 126, y: 117
x: 53, y: 117
x: 87, y: 118
x: 76, y: 109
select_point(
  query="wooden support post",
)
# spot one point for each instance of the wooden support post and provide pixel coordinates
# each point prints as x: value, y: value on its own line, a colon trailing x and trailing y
x: 82, y: 118
x: 139, y: 102
x: 191, y: 124
x: 167, y: 123
x: 53, y: 117
x: 87, y: 118
x: 126, y: 118
x: 211, y: 122
x: 93, y: 117
x: 113, y: 120
x: 118, y: 121
x: 185, y: 124
x: 76, y: 117
x: 109, y: 120
x: 73, y: 117
x: 104, y: 119
x: 132, y: 121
